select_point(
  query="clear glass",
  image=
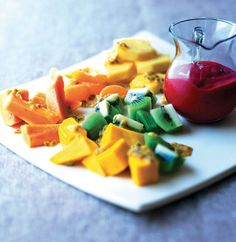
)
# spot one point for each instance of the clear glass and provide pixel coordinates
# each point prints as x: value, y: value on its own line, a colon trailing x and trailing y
x: 201, y: 81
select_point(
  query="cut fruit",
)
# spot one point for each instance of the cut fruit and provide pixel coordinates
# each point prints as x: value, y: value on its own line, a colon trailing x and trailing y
x: 147, y: 120
x: 152, y: 81
x: 94, y: 124
x: 114, y: 160
x: 94, y: 88
x: 92, y: 164
x: 39, y: 98
x: 68, y: 129
x: 151, y: 140
x: 156, y: 65
x: 76, y: 93
x: 28, y: 112
x: 106, y: 110
x: 55, y: 98
x: 8, y: 117
x: 167, y: 118
x: 144, y: 166
x: 125, y: 122
x: 75, y: 151
x: 112, y: 133
x: 132, y: 49
x: 112, y: 89
x: 144, y: 103
x: 135, y: 94
x: 40, y: 134
x: 169, y: 159
x: 87, y: 75
x: 120, y: 73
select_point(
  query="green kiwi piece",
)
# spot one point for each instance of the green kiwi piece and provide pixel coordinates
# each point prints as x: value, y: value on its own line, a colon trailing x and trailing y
x: 125, y: 122
x: 167, y: 118
x: 115, y: 101
x: 93, y: 124
x: 135, y: 94
x: 147, y: 120
x: 143, y: 103
x: 152, y: 139
x: 106, y: 110
x: 169, y: 160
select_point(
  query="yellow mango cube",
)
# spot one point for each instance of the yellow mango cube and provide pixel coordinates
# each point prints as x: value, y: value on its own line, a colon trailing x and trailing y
x: 92, y: 164
x: 144, y: 166
x: 75, y: 151
x: 68, y: 129
x: 113, y: 133
x: 114, y: 160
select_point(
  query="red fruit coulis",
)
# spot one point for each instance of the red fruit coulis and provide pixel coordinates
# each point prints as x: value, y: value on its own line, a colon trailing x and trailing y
x: 202, y: 92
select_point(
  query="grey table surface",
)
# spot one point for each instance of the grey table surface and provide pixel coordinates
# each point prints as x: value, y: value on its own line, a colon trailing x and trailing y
x: 34, y: 206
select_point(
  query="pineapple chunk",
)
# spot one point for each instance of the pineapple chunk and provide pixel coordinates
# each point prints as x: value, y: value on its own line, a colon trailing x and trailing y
x: 132, y: 49
x: 120, y: 72
x: 159, y: 64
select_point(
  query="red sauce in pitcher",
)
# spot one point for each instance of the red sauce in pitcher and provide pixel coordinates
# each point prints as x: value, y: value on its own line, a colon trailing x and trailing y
x: 203, y: 91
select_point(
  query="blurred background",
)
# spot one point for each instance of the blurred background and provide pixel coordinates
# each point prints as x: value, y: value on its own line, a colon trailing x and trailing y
x: 38, y: 35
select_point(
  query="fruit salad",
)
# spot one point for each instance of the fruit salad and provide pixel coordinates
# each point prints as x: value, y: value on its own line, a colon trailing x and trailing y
x: 128, y: 115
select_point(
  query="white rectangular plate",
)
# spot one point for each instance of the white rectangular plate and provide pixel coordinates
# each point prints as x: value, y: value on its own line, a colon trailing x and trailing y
x: 214, y: 156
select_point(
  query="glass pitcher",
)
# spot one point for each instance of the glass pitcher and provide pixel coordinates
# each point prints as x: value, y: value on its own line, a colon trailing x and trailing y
x: 201, y: 81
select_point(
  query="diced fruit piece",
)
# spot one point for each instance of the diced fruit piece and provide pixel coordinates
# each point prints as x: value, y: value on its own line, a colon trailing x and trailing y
x: 107, y: 110
x: 154, y: 82
x: 8, y: 117
x: 92, y: 164
x: 112, y: 89
x: 116, y: 102
x: 114, y: 160
x: 151, y: 140
x: 75, y: 151
x: 132, y: 49
x: 29, y: 112
x: 167, y: 118
x: 125, y: 122
x: 169, y: 159
x: 144, y: 166
x: 156, y: 65
x: 68, y: 129
x: 87, y: 75
x: 93, y: 87
x: 135, y: 94
x: 119, y: 73
x: 76, y: 93
x: 94, y: 124
x: 40, y: 134
x: 39, y: 98
x: 112, y: 133
x: 55, y: 98
x: 147, y: 120
x: 144, y: 103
